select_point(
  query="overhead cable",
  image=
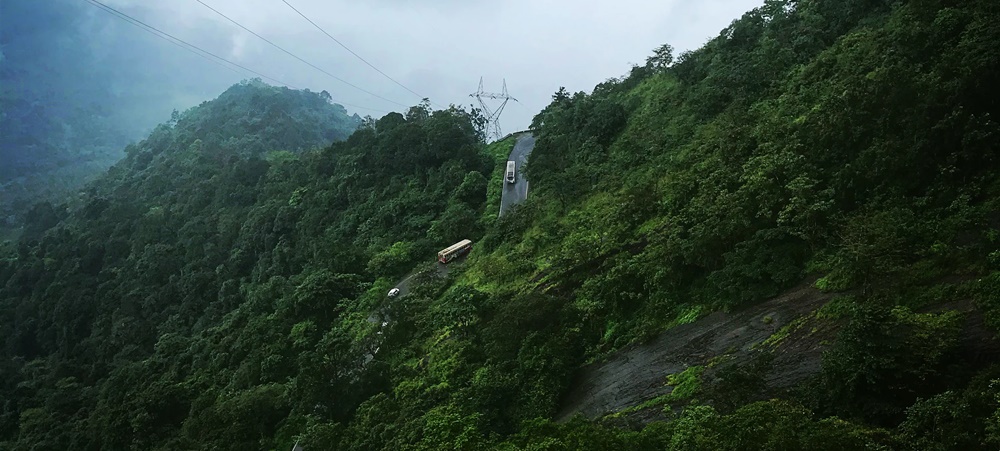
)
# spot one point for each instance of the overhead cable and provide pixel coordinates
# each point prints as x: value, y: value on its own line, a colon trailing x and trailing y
x: 193, y: 48
x: 351, y: 51
x: 161, y: 36
x: 166, y: 35
x: 300, y: 59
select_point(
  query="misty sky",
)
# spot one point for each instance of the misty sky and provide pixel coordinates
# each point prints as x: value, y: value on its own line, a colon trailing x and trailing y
x: 438, y: 48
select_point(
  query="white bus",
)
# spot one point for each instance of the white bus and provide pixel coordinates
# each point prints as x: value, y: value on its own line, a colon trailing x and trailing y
x: 510, y: 171
x: 449, y: 253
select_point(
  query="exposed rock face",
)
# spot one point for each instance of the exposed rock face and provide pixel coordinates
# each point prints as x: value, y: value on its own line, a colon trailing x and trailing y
x: 639, y: 373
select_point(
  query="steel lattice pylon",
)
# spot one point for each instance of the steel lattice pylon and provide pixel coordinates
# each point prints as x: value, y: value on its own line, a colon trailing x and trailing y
x: 493, y: 132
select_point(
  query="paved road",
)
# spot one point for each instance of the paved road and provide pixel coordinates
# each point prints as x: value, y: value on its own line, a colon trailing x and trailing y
x: 517, y: 192
x: 404, y: 287
x: 512, y: 194
x: 440, y: 268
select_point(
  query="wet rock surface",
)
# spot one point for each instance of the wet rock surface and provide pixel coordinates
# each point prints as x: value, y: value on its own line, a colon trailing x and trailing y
x: 638, y: 373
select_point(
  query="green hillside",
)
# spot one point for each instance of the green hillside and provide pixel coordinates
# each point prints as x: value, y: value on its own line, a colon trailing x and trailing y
x: 215, y: 291
x: 248, y: 119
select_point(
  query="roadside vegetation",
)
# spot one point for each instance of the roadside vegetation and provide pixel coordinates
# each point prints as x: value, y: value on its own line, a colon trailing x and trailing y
x: 206, y: 297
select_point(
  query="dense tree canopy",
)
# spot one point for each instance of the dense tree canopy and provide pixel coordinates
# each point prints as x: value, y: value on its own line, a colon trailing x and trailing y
x: 226, y: 290
x: 209, y: 239
x: 76, y: 86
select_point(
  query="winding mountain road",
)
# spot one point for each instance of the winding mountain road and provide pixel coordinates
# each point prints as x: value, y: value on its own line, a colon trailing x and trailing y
x: 511, y: 195
x: 517, y: 192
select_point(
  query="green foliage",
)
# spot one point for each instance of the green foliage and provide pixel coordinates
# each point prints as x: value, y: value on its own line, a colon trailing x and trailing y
x: 206, y: 296
x: 663, y: 57
x: 499, y: 152
x: 685, y: 384
x: 884, y: 359
x: 955, y: 419
x: 788, y: 144
x: 735, y: 385
x: 769, y: 425
x: 987, y: 295
x: 250, y: 118
x: 782, y: 425
x: 224, y: 286
x: 445, y: 425
x: 393, y: 260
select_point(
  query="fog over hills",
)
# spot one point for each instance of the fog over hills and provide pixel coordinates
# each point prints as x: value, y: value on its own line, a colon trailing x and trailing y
x: 78, y: 83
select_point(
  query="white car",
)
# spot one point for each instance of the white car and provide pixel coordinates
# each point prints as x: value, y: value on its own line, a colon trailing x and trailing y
x: 393, y: 292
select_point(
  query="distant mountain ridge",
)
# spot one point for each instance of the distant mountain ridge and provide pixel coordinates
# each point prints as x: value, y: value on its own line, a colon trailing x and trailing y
x: 786, y: 239
x: 77, y: 85
x: 252, y: 117
x: 247, y: 213
x: 248, y: 119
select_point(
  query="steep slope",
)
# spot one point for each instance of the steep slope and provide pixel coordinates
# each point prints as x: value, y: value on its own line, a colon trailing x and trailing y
x: 757, y: 353
x: 640, y: 374
x: 200, y: 269
x: 247, y: 121
x: 76, y: 86
x: 849, y: 142
x: 843, y: 150
x: 516, y: 192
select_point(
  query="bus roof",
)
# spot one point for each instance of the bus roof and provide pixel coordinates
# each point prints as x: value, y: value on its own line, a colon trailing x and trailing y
x: 455, y: 247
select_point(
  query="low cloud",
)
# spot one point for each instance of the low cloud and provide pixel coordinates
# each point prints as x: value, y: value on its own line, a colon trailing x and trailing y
x: 440, y: 49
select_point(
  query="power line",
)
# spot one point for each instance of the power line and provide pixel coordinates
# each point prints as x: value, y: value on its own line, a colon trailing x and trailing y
x: 161, y: 36
x: 300, y: 59
x: 158, y: 32
x: 352, y: 51
x: 193, y: 48
x: 492, y: 115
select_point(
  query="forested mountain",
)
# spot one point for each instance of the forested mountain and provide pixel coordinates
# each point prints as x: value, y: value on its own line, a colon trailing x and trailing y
x: 55, y: 109
x: 216, y: 292
x: 199, y: 241
x: 76, y: 86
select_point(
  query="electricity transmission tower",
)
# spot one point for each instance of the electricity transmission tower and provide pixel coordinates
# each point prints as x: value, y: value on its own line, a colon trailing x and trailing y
x: 492, y: 115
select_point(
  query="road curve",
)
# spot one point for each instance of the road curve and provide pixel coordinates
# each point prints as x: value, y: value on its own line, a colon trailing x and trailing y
x: 517, y: 192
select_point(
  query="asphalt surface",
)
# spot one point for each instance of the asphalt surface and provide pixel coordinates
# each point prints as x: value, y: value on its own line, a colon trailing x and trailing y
x: 406, y: 282
x: 404, y: 285
x: 512, y: 194
x: 517, y: 192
